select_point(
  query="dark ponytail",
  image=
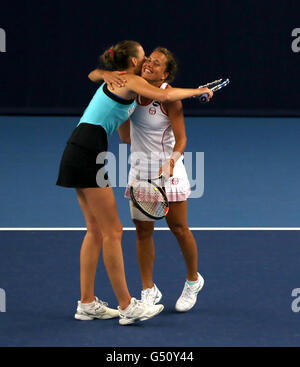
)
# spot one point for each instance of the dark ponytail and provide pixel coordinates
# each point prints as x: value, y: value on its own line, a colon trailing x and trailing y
x: 118, y: 57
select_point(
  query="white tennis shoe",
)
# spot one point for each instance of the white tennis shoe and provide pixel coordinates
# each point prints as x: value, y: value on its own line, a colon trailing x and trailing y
x: 152, y: 296
x: 95, y: 310
x: 189, y: 295
x: 138, y: 311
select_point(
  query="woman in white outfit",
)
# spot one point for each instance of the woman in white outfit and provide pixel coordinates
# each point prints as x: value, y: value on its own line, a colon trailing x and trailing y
x: 156, y: 132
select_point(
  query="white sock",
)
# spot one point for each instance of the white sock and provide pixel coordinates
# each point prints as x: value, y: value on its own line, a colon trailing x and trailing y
x: 87, y: 305
x: 192, y: 282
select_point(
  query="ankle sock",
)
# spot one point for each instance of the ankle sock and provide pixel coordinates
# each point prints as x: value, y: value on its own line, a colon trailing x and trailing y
x: 192, y: 282
x: 87, y: 305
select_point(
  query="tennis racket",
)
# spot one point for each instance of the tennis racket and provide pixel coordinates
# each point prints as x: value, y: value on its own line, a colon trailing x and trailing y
x: 149, y: 196
x: 214, y: 86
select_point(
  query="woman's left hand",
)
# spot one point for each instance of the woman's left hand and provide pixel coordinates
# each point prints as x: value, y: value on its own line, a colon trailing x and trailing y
x: 167, y: 169
x: 114, y: 77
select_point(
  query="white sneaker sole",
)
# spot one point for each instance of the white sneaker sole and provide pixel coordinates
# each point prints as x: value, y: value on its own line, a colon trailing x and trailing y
x: 143, y: 318
x: 88, y: 318
x: 83, y: 317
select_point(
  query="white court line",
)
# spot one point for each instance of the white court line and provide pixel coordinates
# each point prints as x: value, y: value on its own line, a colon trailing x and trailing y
x: 157, y: 229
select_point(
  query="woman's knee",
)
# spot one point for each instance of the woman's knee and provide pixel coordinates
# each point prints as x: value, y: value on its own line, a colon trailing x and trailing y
x: 144, y: 229
x: 179, y: 230
x: 93, y: 229
x: 113, y: 233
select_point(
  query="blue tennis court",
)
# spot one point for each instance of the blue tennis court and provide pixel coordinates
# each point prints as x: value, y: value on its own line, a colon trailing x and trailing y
x: 246, y: 300
x: 251, y: 180
x: 250, y: 165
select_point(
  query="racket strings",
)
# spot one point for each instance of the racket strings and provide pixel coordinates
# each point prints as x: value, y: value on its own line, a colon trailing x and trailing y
x: 216, y: 85
x: 157, y: 209
x: 145, y: 191
x: 221, y: 85
x: 149, y: 197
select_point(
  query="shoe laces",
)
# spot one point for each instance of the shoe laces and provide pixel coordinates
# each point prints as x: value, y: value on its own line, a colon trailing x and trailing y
x: 139, y: 304
x: 187, y: 291
x: 147, y: 295
x: 136, y: 306
x: 99, y: 304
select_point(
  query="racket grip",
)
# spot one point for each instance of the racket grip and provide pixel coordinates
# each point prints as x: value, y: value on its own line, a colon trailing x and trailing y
x: 203, y: 98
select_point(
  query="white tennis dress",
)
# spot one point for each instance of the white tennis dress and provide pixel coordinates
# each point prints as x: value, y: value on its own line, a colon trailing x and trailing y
x: 152, y: 143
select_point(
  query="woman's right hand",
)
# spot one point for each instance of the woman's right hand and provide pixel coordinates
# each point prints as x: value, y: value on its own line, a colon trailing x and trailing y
x: 205, y: 90
x: 114, y: 78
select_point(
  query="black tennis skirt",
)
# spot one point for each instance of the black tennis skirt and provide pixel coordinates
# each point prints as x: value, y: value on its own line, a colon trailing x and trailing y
x: 78, y: 167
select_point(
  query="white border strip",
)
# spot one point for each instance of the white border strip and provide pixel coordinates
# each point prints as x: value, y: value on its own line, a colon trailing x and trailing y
x: 157, y: 229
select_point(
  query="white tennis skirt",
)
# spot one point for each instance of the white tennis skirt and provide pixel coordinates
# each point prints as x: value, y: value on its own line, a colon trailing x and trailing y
x: 177, y: 187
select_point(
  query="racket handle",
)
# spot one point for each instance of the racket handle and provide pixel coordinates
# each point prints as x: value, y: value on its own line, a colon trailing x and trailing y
x: 203, y: 98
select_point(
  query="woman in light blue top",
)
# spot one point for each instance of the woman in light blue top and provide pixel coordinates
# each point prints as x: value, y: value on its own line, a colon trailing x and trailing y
x: 78, y: 169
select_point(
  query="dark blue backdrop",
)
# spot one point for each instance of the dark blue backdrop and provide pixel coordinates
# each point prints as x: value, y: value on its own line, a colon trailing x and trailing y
x: 51, y: 47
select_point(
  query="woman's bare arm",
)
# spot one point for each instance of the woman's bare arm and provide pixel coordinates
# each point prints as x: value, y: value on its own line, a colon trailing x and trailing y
x: 140, y: 86
x: 124, y: 132
x: 175, y: 113
x: 110, y: 77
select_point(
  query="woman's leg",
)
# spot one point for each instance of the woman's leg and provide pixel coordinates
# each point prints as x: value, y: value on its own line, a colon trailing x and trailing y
x: 89, y: 254
x: 177, y: 222
x: 102, y: 206
x: 145, y: 251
